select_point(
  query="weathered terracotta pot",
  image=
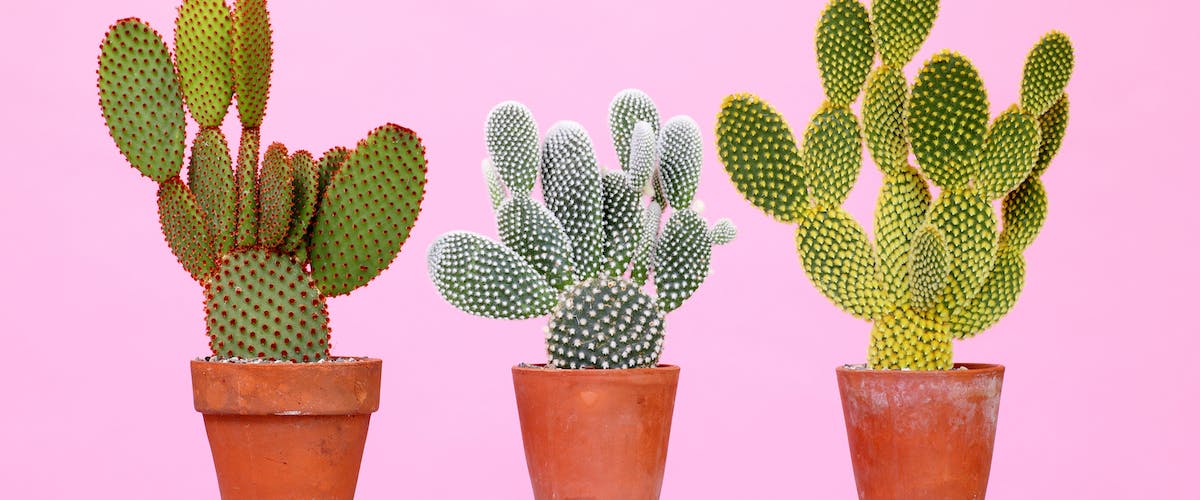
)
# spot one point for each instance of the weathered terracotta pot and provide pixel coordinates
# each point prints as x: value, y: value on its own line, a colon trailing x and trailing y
x: 921, y: 434
x: 596, y: 434
x: 293, y: 430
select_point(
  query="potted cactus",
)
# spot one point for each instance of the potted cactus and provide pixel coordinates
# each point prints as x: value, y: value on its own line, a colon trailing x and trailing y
x: 268, y: 245
x: 940, y: 269
x: 596, y: 418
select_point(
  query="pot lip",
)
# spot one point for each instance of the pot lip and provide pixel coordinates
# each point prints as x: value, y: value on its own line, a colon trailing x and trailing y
x: 971, y: 369
x: 540, y: 368
x: 358, y: 361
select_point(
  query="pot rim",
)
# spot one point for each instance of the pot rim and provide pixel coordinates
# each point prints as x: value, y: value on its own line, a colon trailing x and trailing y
x: 541, y: 368
x: 286, y: 389
x: 971, y: 369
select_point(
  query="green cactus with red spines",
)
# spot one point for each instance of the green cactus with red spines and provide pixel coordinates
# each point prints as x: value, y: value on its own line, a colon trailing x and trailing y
x: 939, y: 269
x: 268, y: 245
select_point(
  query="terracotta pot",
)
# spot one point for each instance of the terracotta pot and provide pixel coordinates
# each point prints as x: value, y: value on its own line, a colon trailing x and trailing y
x: 596, y: 434
x: 921, y: 434
x: 292, y: 430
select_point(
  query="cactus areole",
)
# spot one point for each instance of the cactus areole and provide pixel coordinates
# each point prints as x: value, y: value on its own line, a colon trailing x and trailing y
x: 268, y: 238
x: 584, y: 253
x: 938, y: 269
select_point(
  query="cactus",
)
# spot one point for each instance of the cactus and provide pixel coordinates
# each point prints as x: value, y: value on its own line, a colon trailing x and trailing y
x: 269, y: 244
x: 584, y: 255
x: 938, y: 269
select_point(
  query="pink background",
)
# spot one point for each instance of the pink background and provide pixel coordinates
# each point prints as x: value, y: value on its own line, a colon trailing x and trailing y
x: 1100, y: 399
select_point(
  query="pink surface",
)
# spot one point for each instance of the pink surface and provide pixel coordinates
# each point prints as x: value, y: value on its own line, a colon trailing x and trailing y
x: 1100, y: 399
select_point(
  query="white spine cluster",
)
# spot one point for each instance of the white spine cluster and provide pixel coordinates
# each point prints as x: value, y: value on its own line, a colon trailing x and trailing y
x: 681, y: 149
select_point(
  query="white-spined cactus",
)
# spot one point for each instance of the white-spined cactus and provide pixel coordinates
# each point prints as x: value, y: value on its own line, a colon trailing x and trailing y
x: 585, y: 254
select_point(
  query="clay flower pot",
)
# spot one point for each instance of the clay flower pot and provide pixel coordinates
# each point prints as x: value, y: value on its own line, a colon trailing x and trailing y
x: 287, y: 430
x: 921, y: 434
x: 596, y: 434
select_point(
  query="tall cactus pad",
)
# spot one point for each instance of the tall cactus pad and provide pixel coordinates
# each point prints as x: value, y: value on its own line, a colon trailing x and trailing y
x: 906, y: 339
x: 759, y: 153
x: 251, y: 60
x: 832, y: 155
x: 304, y: 200
x: 1053, y: 124
x: 571, y: 187
x: 839, y: 260
x: 901, y: 27
x: 529, y: 228
x: 1009, y: 153
x: 682, y: 153
x: 512, y: 143
x: 1024, y: 213
x: 210, y: 177
x: 885, y: 115
x: 996, y: 298
x: 275, y: 188
x: 682, y: 258
x: 968, y: 223
x: 629, y: 107
x: 643, y: 156
x: 605, y: 322
x: 1047, y: 71
x: 901, y: 209
x: 927, y: 268
x: 368, y: 210
x: 261, y: 304
x: 185, y: 230
x: 948, y: 117
x: 141, y: 100
x: 204, y: 55
x: 845, y: 50
x: 487, y: 279
x: 328, y: 165
x: 643, y: 256
x: 622, y: 222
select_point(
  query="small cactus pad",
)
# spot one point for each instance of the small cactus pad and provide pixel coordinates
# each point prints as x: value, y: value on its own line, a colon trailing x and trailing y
x: 210, y: 177
x: 261, y: 304
x: 328, y: 165
x: 496, y: 190
x: 275, y: 187
x: 901, y: 209
x: 304, y: 200
x: 901, y: 27
x: 839, y: 260
x: 184, y: 227
x: 832, y: 155
x: 571, y: 188
x: 512, y: 142
x: 845, y: 50
x: 722, y: 232
x: 948, y: 117
x: 643, y: 255
x: 997, y: 297
x: 968, y: 223
x: 1024, y: 213
x: 251, y: 59
x: 485, y: 278
x: 759, y: 153
x: 622, y: 222
x: 368, y: 209
x: 681, y: 258
x: 927, y: 268
x: 643, y: 156
x: 141, y: 100
x: 681, y: 150
x: 1053, y: 124
x: 529, y: 228
x: 885, y: 110
x: 246, y: 180
x: 627, y: 108
x: 906, y: 339
x: 605, y: 322
x: 1010, y: 151
x: 204, y: 55
x: 1047, y: 71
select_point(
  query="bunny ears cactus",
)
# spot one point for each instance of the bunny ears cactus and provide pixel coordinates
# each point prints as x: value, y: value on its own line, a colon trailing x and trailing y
x: 250, y: 235
x: 938, y: 269
x: 584, y: 255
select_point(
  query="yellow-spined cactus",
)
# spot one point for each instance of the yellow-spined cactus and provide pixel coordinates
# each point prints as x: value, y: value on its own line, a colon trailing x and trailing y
x: 939, y: 269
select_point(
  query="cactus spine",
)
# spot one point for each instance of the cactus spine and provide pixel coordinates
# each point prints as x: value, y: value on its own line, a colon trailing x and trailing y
x: 939, y: 269
x: 583, y: 255
x: 268, y: 245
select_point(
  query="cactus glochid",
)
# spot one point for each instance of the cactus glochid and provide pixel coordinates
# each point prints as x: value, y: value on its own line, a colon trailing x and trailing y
x: 584, y: 255
x: 939, y: 269
x: 267, y: 244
